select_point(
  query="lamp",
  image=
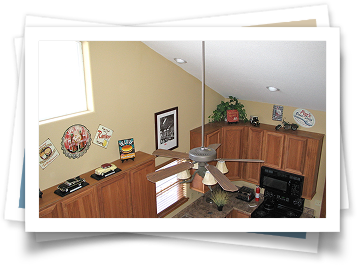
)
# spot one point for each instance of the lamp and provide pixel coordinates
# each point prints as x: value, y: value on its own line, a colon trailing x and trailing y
x: 209, y: 179
x: 183, y: 174
x: 221, y: 165
x: 272, y: 89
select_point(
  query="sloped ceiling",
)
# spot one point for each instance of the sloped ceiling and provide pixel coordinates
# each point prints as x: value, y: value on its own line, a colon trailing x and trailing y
x: 245, y: 68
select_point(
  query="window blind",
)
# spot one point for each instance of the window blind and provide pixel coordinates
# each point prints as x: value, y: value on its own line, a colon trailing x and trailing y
x: 169, y: 190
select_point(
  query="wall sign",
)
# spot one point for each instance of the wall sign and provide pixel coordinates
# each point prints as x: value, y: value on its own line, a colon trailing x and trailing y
x: 48, y: 153
x: 126, y: 149
x: 102, y: 136
x: 75, y: 141
x: 304, y: 118
x: 277, y: 113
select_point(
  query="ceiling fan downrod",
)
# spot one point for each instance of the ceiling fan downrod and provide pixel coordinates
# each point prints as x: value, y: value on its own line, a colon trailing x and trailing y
x: 203, y: 94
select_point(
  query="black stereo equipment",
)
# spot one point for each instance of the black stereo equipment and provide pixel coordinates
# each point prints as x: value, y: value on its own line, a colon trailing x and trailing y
x: 245, y: 194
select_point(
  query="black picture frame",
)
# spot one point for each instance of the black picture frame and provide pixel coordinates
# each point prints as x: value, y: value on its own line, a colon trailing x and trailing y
x: 166, y: 129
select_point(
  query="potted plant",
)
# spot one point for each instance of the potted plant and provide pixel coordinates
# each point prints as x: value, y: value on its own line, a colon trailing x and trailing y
x: 220, y: 114
x: 220, y: 198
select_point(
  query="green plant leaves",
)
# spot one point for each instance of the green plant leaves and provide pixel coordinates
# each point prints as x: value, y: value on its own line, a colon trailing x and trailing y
x: 220, y: 113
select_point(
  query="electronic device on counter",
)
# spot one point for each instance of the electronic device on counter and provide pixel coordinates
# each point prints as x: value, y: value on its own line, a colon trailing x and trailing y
x: 245, y: 194
x: 105, y: 171
x: 70, y: 185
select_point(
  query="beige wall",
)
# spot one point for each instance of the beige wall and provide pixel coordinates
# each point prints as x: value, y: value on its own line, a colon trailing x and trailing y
x: 130, y: 82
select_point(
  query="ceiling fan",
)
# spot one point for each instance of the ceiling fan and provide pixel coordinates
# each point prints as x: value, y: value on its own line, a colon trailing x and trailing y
x: 199, y: 157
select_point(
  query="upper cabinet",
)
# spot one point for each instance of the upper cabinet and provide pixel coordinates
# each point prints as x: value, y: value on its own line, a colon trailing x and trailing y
x: 297, y: 152
x: 273, y: 147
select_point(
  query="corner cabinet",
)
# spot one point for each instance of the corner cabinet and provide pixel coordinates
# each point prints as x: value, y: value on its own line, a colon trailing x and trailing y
x: 126, y: 194
x: 297, y: 152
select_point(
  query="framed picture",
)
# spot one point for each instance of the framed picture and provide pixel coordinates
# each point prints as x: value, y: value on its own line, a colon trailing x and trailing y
x: 166, y: 129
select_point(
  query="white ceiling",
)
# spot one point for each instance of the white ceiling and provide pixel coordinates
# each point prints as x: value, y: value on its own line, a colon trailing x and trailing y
x: 245, y: 68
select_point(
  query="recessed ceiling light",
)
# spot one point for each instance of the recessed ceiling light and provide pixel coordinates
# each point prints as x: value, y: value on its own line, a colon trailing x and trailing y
x: 179, y: 60
x: 272, y: 89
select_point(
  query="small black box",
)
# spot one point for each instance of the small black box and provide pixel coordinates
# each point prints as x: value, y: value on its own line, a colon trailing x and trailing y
x: 245, y: 194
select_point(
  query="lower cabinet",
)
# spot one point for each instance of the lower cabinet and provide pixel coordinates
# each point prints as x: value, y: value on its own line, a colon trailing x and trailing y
x: 114, y: 197
x: 126, y: 194
x: 142, y: 190
x: 82, y: 205
x: 237, y: 214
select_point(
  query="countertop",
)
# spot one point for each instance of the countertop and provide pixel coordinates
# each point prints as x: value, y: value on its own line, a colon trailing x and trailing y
x: 202, y: 208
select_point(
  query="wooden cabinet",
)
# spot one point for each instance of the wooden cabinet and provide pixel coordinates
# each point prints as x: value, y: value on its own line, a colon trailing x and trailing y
x: 273, y: 147
x: 232, y: 147
x: 237, y: 214
x: 126, y: 194
x: 52, y: 211
x: 82, y: 205
x: 254, y: 150
x: 114, y: 197
x: 142, y: 190
x: 294, y: 154
x: 297, y: 152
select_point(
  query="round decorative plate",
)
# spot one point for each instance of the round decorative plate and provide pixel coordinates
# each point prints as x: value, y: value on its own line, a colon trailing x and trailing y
x: 75, y: 141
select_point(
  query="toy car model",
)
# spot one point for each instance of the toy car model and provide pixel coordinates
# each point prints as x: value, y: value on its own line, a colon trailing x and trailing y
x: 105, y: 168
x: 71, y: 184
x: 287, y: 126
x: 255, y: 121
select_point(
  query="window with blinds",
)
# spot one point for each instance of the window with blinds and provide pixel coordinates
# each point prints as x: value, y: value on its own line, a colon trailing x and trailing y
x: 170, y: 194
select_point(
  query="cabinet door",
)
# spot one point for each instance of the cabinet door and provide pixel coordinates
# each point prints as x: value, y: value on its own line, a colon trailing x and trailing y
x: 254, y: 151
x: 273, y: 147
x: 233, y: 148
x: 114, y: 197
x: 295, y: 154
x: 143, y: 192
x: 237, y: 214
x: 52, y: 211
x: 214, y: 138
x: 83, y: 205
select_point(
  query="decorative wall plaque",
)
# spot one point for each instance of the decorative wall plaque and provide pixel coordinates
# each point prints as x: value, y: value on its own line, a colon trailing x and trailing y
x: 277, y: 113
x: 304, y: 118
x: 48, y: 153
x: 76, y: 141
x: 126, y: 149
x: 102, y: 136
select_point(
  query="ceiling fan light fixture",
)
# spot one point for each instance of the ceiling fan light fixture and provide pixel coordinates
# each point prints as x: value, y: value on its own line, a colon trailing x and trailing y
x: 183, y: 175
x: 272, y: 89
x: 180, y: 61
x: 221, y: 165
x: 209, y: 179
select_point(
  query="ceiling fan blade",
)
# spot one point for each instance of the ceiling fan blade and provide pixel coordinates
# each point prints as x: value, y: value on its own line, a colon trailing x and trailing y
x: 214, y: 146
x: 240, y: 160
x: 171, y: 154
x: 167, y: 172
x: 222, y: 180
